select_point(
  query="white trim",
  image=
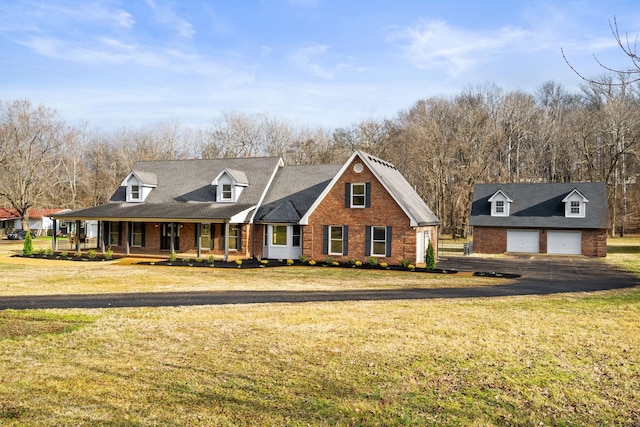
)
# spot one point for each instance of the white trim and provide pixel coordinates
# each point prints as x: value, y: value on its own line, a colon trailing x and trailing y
x: 363, y: 195
x: 266, y: 189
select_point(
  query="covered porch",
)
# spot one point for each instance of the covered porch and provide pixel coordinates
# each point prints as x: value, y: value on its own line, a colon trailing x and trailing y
x: 157, y: 238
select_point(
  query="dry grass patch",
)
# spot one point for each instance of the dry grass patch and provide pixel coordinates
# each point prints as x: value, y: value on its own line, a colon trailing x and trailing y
x: 570, y: 360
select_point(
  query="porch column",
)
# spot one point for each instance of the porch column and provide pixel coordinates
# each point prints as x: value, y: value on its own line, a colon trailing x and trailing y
x: 100, y: 242
x: 54, y: 231
x: 126, y: 237
x: 226, y: 240
x: 78, y: 236
x: 199, y: 240
x: 172, y: 238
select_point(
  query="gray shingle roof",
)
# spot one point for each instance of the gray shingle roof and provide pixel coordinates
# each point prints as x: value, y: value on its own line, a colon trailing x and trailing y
x: 400, y: 189
x: 293, y: 191
x: 541, y: 206
x: 184, y: 190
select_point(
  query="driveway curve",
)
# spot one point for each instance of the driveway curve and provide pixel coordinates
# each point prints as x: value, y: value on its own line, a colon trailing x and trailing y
x: 540, y: 275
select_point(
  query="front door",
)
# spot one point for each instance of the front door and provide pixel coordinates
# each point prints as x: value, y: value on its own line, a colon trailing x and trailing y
x: 166, y: 231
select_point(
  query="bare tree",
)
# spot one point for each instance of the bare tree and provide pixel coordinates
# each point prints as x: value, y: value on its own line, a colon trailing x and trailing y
x: 629, y: 48
x: 33, y: 139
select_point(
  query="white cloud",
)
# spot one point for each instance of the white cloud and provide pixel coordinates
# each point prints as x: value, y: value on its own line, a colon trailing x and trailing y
x: 307, y: 59
x: 435, y: 44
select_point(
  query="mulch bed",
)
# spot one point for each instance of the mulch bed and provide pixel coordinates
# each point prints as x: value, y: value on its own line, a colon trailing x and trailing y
x: 254, y: 263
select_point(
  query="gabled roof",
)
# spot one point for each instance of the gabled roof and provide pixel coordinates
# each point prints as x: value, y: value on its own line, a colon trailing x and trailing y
x: 500, y: 192
x: 293, y: 191
x: 575, y: 191
x: 148, y: 179
x: 184, y: 191
x: 541, y: 205
x: 396, y: 185
x: 238, y: 176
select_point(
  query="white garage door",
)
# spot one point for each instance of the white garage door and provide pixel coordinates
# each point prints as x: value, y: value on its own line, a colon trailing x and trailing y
x: 564, y: 242
x: 523, y: 241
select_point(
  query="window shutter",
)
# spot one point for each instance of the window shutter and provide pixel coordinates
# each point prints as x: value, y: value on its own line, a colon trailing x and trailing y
x: 367, y: 195
x: 144, y: 229
x: 325, y: 239
x: 347, y: 195
x: 388, y: 250
x: 239, y: 237
x: 367, y: 240
x: 345, y: 240
x: 130, y: 233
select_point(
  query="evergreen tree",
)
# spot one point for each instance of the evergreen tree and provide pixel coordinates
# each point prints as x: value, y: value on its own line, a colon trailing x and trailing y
x: 430, y: 258
x: 27, y: 248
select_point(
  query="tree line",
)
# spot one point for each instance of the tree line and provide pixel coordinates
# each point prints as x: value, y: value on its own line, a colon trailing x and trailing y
x: 442, y: 145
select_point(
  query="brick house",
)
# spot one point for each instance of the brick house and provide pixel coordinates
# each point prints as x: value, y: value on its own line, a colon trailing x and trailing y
x: 260, y: 208
x: 552, y: 218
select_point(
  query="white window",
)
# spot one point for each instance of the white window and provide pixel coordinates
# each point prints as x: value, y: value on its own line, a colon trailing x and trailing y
x: 297, y: 234
x: 358, y: 195
x: 575, y: 207
x: 135, y: 192
x: 335, y: 240
x: 279, y: 235
x: 234, y: 237
x: 137, y: 234
x: 206, y: 241
x: 227, y: 193
x: 499, y: 206
x: 378, y: 241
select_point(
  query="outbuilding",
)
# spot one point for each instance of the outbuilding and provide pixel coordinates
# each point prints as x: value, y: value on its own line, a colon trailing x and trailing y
x: 551, y: 218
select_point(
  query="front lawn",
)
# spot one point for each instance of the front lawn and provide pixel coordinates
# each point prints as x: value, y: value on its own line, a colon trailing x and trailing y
x: 571, y: 359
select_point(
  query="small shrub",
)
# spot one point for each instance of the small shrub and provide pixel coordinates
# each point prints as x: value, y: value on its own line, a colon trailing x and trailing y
x: 239, y: 263
x: 373, y: 260
x: 49, y: 252
x: 303, y: 258
x: 404, y: 262
x: 411, y: 267
x: 289, y: 262
x: 312, y: 262
x: 172, y: 256
x: 64, y: 254
x: 198, y: 259
x: 384, y: 265
x: 27, y: 247
x: 108, y: 254
x: 328, y: 260
x: 186, y: 260
x: 91, y: 254
x: 211, y: 259
x: 41, y: 252
x: 430, y: 258
x: 335, y: 263
x: 358, y: 263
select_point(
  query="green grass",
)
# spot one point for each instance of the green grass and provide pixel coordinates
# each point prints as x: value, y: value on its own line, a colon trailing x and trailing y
x: 571, y: 359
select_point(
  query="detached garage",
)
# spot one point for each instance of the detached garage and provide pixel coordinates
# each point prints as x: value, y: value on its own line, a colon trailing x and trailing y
x: 556, y: 218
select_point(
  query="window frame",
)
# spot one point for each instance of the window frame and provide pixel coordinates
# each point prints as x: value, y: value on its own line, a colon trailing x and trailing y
x: 375, y: 241
x: 275, y: 236
x: 358, y: 195
x: 296, y: 236
x: 339, y: 241
x: 500, y: 207
x: 235, y: 237
x: 575, y: 204
x: 139, y: 233
x: 135, y: 192
x: 224, y: 191
x: 113, y: 231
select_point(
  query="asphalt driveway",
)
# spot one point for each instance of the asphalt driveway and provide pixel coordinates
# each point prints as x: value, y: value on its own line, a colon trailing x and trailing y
x: 540, y: 275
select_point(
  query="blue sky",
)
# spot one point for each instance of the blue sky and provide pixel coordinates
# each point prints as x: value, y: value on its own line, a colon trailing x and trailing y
x: 328, y: 63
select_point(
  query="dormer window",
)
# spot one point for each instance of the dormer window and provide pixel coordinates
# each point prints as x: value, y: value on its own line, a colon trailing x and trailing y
x: 135, y: 192
x: 227, y: 193
x: 500, y: 204
x: 229, y: 185
x: 139, y: 185
x: 575, y: 205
